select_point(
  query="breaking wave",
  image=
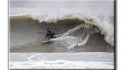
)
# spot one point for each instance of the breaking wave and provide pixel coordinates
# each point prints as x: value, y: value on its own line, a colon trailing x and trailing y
x: 105, y: 23
x: 70, y: 31
x: 75, y: 23
x: 79, y: 26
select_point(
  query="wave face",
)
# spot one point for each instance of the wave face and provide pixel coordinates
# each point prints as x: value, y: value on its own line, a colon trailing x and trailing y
x: 76, y: 23
x: 74, y: 35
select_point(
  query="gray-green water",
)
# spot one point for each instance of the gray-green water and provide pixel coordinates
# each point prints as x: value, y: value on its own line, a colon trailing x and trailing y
x: 27, y: 35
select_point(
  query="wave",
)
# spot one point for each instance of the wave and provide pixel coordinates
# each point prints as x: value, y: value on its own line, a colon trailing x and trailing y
x: 78, y: 20
x: 103, y: 24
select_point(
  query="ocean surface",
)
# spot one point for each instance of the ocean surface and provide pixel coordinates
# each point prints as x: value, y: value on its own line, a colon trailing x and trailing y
x: 79, y: 25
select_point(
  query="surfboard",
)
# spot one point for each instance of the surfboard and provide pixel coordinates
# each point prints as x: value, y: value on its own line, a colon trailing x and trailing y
x: 46, y: 41
x: 50, y: 40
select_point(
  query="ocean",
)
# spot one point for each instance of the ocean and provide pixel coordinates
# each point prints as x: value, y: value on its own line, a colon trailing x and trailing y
x: 84, y: 31
x: 79, y: 25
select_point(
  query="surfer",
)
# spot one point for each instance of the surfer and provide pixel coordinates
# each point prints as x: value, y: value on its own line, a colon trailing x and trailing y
x: 49, y: 34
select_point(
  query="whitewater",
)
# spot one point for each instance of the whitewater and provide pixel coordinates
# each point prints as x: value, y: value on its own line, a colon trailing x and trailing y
x: 83, y: 60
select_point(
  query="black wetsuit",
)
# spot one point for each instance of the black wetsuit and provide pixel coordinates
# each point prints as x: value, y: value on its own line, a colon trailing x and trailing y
x: 50, y: 34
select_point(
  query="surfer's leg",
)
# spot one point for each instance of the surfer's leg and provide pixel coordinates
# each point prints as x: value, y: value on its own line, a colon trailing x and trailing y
x: 53, y: 35
x: 47, y: 36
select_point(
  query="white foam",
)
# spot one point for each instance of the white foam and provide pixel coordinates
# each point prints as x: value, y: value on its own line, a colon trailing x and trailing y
x: 60, y: 64
x: 70, y: 41
x: 74, y: 29
x: 82, y: 60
